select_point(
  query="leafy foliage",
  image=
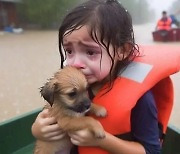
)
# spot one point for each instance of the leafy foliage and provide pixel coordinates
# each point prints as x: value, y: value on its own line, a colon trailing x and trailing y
x: 44, y: 13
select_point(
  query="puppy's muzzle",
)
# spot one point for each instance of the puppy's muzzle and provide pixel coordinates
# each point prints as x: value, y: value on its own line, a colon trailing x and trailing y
x: 82, y: 106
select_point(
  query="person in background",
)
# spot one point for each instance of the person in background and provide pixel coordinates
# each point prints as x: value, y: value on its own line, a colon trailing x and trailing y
x: 164, y: 25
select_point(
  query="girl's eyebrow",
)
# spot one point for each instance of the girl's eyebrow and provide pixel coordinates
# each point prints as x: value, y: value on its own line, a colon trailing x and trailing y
x: 90, y: 44
x: 87, y: 44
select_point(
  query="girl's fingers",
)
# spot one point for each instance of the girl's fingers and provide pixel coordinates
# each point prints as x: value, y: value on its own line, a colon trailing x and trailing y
x: 44, y: 113
x: 53, y: 128
x: 73, y: 135
x: 77, y: 137
x: 50, y: 121
x: 58, y: 137
x: 52, y: 134
x: 79, y: 134
x: 75, y: 142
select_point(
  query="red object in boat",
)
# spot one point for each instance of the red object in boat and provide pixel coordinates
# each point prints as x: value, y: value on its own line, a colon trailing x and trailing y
x: 171, y: 35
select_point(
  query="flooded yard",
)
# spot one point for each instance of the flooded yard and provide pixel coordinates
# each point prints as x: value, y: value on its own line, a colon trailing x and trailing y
x: 27, y: 60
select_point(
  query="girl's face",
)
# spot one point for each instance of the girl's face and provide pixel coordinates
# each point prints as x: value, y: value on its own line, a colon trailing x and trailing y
x: 88, y: 56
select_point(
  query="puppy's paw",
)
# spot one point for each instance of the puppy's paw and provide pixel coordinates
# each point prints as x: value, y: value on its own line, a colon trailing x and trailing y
x: 102, y: 112
x: 98, y: 130
x: 100, y: 134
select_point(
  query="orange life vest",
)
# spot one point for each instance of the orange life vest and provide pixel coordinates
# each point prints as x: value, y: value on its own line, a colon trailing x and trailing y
x: 164, y: 25
x: 150, y: 71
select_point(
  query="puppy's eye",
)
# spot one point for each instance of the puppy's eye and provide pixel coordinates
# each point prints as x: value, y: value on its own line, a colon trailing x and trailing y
x: 72, y: 94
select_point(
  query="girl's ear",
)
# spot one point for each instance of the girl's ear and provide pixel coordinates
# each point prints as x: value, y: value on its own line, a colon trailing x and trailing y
x: 124, y: 51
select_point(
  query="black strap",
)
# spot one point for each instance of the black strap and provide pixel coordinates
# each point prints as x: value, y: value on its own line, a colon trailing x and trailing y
x: 125, y: 136
x: 161, y: 134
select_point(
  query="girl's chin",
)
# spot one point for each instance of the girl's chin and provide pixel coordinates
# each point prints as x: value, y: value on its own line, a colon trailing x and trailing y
x: 91, y: 81
x: 94, y: 80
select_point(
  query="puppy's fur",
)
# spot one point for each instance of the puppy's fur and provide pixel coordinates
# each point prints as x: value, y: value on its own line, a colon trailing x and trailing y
x: 68, y: 101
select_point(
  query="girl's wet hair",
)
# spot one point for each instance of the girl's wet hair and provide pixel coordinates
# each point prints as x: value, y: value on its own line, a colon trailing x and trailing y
x: 109, y: 23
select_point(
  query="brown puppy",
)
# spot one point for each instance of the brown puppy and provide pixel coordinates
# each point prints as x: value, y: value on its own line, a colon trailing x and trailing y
x: 68, y: 101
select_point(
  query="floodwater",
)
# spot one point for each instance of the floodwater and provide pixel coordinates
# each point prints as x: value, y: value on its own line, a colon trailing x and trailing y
x: 27, y: 60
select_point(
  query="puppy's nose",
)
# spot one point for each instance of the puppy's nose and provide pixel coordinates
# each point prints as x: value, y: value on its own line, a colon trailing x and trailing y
x: 87, y: 104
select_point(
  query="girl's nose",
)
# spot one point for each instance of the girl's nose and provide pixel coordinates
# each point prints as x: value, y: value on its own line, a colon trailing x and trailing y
x: 78, y: 63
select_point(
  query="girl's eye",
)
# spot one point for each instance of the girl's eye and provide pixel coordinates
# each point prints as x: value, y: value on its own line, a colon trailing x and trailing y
x: 90, y: 53
x: 68, y: 51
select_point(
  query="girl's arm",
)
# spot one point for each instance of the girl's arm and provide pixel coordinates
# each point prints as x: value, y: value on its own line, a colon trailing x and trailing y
x: 115, y: 145
x: 45, y: 128
x: 110, y: 143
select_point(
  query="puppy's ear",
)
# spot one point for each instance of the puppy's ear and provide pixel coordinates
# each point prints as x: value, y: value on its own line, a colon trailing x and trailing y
x: 48, y: 91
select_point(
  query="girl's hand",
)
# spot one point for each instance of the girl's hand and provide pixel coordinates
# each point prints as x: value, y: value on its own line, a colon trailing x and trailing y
x: 46, y: 128
x: 84, y: 138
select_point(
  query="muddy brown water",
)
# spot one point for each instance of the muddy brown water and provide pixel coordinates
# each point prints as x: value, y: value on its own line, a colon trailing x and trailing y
x: 27, y: 60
